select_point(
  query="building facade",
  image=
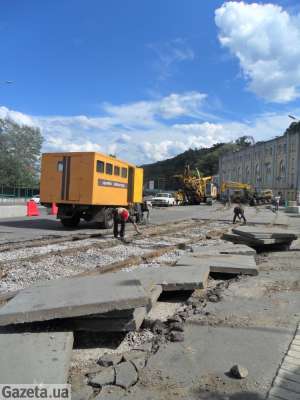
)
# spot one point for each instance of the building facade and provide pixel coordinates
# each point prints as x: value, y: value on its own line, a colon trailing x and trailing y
x: 274, y: 164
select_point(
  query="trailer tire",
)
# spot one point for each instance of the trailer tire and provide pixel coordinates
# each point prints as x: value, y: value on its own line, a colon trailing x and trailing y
x: 71, y: 222
x: 108, y: 220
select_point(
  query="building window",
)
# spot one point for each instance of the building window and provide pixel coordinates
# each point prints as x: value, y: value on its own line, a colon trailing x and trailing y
x: 60, y: 166
x: 124, y: 172
x: 116, y: 170
x: 100, y: 166
x: 282, y: 169
x: 109, y: 169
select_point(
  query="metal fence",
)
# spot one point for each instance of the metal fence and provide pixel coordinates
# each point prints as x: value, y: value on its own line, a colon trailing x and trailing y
x: 16, y: 194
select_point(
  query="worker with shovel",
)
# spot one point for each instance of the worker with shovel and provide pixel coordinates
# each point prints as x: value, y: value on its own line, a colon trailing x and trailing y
x: 239, y: 213
x: 121, y: 216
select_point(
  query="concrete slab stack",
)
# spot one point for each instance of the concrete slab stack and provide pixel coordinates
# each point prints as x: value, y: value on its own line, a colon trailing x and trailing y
x: 258, y: 237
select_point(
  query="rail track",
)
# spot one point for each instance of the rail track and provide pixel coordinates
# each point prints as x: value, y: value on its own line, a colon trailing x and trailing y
x: 22, y: 270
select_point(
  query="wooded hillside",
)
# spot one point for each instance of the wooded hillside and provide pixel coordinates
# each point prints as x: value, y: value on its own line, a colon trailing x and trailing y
x: 206, y: 160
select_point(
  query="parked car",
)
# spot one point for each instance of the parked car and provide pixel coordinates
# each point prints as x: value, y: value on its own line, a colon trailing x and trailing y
x: 36, y: 199
x: 163, y: 199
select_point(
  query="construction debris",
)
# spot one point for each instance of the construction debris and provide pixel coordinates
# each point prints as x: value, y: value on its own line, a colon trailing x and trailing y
x: 239, y: 372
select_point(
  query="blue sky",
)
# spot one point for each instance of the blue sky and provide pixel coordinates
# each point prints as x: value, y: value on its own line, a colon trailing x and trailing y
x: 149, y: 79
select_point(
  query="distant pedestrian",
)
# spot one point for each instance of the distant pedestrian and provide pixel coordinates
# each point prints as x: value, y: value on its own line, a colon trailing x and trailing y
x: 277, y: 201
x: 121, y: 216
x: 239, y: 213
x: 145, y: 211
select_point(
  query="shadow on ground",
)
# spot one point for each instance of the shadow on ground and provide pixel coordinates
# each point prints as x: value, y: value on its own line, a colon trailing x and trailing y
x: 46, y: 224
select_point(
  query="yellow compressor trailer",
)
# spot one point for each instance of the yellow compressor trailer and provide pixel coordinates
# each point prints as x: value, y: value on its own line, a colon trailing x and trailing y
x: 89, y: 185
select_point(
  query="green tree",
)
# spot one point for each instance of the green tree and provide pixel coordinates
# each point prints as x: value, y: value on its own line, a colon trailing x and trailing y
x: 20, y: 149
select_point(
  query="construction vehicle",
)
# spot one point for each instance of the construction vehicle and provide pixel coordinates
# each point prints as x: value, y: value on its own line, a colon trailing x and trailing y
x: 233, y: 191
x: 263, y: 196
x: 88, y: 185
x: 196, y: 189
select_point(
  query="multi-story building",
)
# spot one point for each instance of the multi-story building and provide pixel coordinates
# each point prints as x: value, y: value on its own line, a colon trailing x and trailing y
x: 274, y: 164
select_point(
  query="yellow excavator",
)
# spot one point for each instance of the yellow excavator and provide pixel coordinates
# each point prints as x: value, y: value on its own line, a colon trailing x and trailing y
x: 234, y: 191
x: 196, y: 189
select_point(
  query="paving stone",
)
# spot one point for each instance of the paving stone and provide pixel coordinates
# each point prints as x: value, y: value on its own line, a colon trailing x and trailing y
x: 84, y: 393
x: 105, y: 377
x: 174, y: 278
x: 289, y: 375
x: 292, y: 360
x: 111, y: 393
x: 126, y: 375
x: 108, y: 360
x: 294, y: 354
x: 290, y: 367
x: 73, y: 297
x: 287, y: 384
x: 284, y: 394
x: 35, y: 357
x: 225, y: 263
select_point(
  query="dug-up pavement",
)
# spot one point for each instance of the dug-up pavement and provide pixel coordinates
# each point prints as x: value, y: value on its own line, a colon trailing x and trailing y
x: 246, y: 320
x: 226, y: 306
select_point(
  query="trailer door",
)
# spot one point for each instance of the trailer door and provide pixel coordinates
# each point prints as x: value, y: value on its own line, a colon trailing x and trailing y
x: 70, y: 183
x: 74, y: 178
x: 130, y: 185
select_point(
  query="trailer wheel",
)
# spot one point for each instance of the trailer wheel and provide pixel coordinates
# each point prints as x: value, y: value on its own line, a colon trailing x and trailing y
x: 108, y: 220
x: 71, y: 222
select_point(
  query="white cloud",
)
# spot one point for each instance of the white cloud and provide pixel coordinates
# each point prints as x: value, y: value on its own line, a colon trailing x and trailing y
x: 157, y: 138
x: 169, y: 107
x: 16, y: 116
x: 265, y: 39
x: 169, y: 53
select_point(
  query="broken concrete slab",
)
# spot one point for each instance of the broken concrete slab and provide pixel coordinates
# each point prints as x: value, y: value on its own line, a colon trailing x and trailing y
x: 224, y: 263
x: 35, y: 357
x: 105, y: 377
x: 137, y: 357
x: 107, y: 360
x: 126, y: 375
x: 268, y: 232
x: 74, y: 297
x: 224, y: 248
x: 174, y: 278
x: 115, y: 321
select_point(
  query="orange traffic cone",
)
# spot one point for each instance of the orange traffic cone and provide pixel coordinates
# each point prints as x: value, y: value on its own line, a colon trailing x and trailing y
x: 54, y: 209
x: 32, y: 210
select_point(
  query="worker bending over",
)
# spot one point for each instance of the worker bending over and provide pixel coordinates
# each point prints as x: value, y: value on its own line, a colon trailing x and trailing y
x: 121, y: 216
x: 239, y: 213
